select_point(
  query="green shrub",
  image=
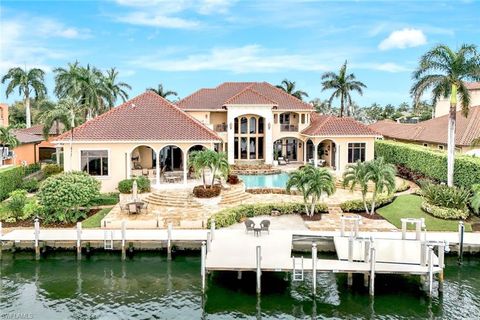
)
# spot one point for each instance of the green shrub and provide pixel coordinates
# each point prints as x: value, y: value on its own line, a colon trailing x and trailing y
x: 30, y: 185
x: 31, y: 168
x: 63, y: 194
x: 358, y: 205
x: 105, y: 199
x: 229, y: 216
x: 443, y: 212
x: 475, y: 200
x: 31, y: 209
x: 143, y: 185
x: 10, y: 179
x: 51, y: 169
x: 445, y: 196
x: 431, y: 163
x: 403, y: 187
x: 17, y: 201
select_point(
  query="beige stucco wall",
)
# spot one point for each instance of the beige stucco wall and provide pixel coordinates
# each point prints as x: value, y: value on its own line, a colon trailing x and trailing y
x: 443, y: 105
x: 119, y: 164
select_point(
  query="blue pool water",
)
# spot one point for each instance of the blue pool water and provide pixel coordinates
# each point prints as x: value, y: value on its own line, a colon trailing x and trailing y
x: 265, y: 181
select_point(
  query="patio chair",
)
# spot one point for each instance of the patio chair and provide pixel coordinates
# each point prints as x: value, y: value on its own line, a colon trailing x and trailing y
x: 265, y: 225
x: 249, y: 225
x: 145, y: 172
x: 282, y: 161
x: 132, y: 208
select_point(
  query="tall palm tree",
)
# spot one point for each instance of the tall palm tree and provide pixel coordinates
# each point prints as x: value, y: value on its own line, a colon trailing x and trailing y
x: 289, y: 87
x: 312, y: 183
x: 444, y: 72
x: 116, y: 89
x: 342, y: 84
x: 84, y: 84
x: 29, y: 83
x: 162, y: 92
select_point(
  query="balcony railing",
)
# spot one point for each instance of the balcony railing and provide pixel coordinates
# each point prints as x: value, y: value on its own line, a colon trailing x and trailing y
x: 289, y: 127
x: 221, y: 127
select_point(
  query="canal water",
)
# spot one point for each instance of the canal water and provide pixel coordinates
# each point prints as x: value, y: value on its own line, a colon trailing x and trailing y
x: 150, y: 287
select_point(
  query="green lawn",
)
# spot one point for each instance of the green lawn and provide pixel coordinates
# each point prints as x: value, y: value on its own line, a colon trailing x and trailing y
x: 94, y: 221
x: 409, y: 206
x: 106, y: 199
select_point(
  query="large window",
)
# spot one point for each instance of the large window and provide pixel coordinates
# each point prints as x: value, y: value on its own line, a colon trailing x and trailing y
x: 356, y: 151
x: 95, y: 162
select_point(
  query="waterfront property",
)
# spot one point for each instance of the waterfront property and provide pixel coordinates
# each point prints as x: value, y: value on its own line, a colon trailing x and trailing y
x: 253, y: 122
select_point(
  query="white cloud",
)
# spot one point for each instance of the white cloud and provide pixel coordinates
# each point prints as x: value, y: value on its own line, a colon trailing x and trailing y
x: 387, y: 67
x: 404, y: 38
x: 246, y: 59
x: 157, y: 20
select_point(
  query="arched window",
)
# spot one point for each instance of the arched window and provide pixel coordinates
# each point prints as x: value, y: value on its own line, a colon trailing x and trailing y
x: 253, y: 125
x: 243, y: 125
x: 260, y: 125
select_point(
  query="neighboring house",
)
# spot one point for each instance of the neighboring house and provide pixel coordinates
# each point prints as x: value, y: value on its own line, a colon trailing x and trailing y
x: 3, y: 115
x: 150, y: 136
x: 45, y: 149
x: 442, y: 106
x: 434, y: 132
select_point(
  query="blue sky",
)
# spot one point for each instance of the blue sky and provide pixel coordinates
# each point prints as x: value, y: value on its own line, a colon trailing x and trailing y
x: 187, y: 45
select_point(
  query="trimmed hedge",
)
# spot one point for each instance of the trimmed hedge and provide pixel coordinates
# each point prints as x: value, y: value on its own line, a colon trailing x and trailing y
x: 10, y: 180
x: 358, y: 206
x: 229, y: 216
x: 443, y: 212
x: 431, y: 163
x: 143, y: 185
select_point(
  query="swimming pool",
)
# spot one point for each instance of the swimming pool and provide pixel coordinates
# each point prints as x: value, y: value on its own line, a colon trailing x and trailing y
x: 265, y: 180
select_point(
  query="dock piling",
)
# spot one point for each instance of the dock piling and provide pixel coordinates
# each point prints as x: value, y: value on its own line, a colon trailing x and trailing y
x: 314, y: 268
x: 209, y: 241
x: 212, y: 228
x: 124, y: 235
x: 430, y: 270
x: 37, y: 239
x: 169, y: 241
x: 259, y: 268
x: 372, y: 271
x: 79, y: 240
x: 441, y: 264
x: 461, y: 231
x: 203, y: 265
x: 350, y: 259
x: 1, y: 243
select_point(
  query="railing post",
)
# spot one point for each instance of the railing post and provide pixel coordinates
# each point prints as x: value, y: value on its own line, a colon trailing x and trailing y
x: 37, y: 239
x: 404, y: 229
x: 203, y: 265
x: 79, y: 240
x: 314, y: 268
x: 259, y: 268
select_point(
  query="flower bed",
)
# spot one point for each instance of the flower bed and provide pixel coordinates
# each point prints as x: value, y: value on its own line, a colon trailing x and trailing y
x: 272, y: 191
x: 443, y: 212
x: 229, y: 216
x: 358, y: 206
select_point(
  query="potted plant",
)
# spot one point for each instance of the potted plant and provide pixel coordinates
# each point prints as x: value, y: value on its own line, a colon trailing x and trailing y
x: 275, y: 156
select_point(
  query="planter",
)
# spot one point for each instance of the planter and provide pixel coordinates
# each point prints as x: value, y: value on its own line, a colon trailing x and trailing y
x: 127, y: 197
x: 208, y: 192
x: 275, y: 163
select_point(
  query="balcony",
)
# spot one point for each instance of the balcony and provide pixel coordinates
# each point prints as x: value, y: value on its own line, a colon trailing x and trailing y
x: 220, y: 127
x: 288, y: 127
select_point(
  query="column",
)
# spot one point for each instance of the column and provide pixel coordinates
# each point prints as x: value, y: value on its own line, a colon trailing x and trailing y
x: 230, y: 138
x: 268, y: 155
x: 315, y: 155
x: 337, y: 155
x: 157, y: 169
x: 185, y: 166
x: 304, y: 152
x: 129, y: 165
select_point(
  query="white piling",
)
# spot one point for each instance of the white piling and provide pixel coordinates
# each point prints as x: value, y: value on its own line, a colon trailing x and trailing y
x: 423, y: 254
x: 259, y: 268
x: 430, y: 270
x: 441, y: 264
x: 212, y: 228
x: 404, y: 229
x: 372, y: 270
x: 342, y: 226
x: 37, y: 239
x: 203, y: 265
x: 314, y: 268
x: 1, y: 243
x: 418, y: 228
x: 169, y: 241
x: 209, y: 241
x: 350, y: 259
x: 124, y: 235
x: 79, y: 240
x: 461, y: 230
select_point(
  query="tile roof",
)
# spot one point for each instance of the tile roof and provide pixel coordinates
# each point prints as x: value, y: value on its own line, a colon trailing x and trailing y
x: 472, y: 85
x: 38, y: 129
x: 26, y: 138
x: 250, y: 96
x: 217, y: 98
x: 328, y: 125
x: 434, y: 130
x: 147, y: 117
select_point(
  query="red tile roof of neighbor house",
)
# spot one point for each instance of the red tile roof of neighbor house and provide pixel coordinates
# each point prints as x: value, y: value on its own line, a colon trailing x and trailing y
x: 38, y: 129
x: 327, y: 125
x: 25, y: 137
x: 472, y: 85
x: 434, y: 130
x: 246, y: 92
x: 147, y: 117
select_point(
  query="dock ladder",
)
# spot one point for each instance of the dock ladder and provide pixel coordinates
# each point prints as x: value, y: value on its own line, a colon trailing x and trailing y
x: 298, y: 269
x: 108, y: 240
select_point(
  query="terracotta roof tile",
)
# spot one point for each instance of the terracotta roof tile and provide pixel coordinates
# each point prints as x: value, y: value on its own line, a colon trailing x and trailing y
x: 147, y: 117
x: 434, y: 130
x: 472, y: 85
x: 38, y: 129
x: 250, y: 96
x: 327, y: 125
x: 216, y: 98
x: 26, y: 138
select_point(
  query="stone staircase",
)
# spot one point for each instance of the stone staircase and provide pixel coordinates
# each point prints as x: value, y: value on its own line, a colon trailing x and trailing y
x: 234, y: 195
x: 177, y: 198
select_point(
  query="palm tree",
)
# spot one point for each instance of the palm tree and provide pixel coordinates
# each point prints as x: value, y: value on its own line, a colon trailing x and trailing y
x: 343, y: 84
x: 29, y: 83
x: 218, y: 164
x: 289, y: 87
x: 444, y: 72
x: 382, y: 175
x: 116, y: 89
x: 7, y: 138
x: 356, y: 174
x: 312, y: 183
x: 162, y: 92
x: 199, y: 161
x: 86, y: 85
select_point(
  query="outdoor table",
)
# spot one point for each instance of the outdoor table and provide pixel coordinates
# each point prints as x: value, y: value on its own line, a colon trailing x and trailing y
x: 257, y: 231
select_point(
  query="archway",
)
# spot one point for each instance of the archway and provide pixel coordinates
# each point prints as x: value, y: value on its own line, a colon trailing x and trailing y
x: 327, y: 153
x: 171, y: 158
x: 143, y: 161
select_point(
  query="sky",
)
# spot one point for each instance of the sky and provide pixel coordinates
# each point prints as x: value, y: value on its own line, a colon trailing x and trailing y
x: 187, y: 45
